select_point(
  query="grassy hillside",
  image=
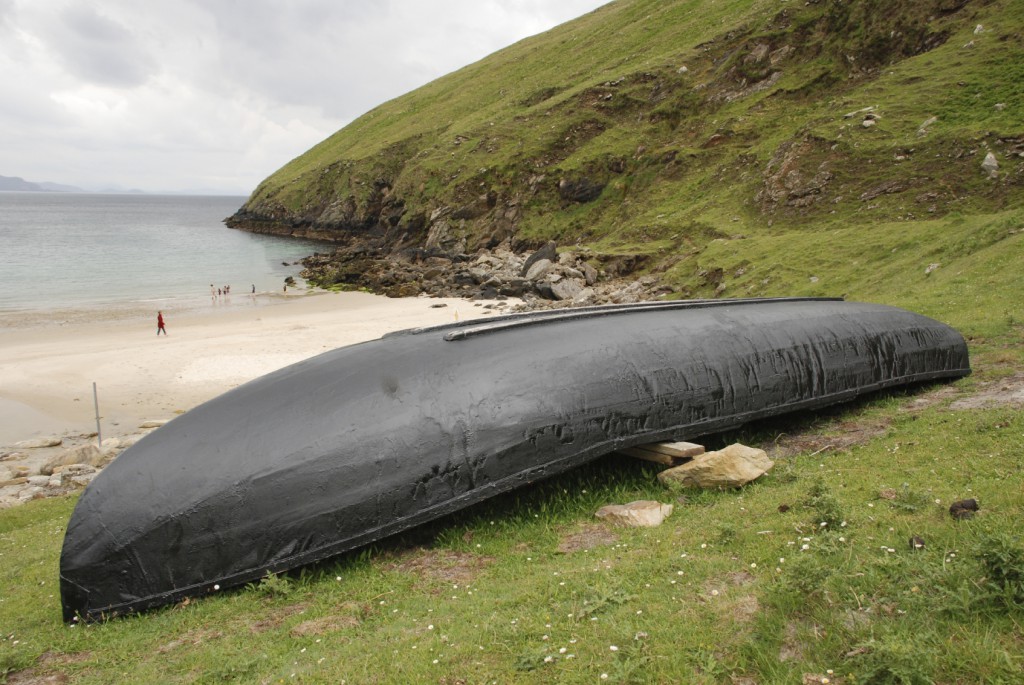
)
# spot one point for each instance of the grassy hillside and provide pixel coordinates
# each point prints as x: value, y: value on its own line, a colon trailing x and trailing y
x: 753, y: 141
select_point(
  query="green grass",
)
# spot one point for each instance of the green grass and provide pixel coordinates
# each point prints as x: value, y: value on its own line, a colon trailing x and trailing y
x: 728, y: 587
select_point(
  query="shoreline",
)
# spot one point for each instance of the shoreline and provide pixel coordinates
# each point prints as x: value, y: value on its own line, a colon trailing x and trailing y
x: 50, y: 359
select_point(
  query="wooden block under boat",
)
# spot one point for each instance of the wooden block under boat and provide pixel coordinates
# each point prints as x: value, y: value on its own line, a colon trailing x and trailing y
x: 667, y: 453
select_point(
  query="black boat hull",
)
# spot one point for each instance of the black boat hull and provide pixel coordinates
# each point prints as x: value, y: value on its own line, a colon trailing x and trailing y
x: 367, y: 440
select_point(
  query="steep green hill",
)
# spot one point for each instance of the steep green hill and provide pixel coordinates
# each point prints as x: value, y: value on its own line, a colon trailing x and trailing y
x: 751, y: 147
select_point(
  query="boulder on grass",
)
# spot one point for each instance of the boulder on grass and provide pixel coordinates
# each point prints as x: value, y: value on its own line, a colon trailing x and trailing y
x: 640, y: 514
x: 732, y: 467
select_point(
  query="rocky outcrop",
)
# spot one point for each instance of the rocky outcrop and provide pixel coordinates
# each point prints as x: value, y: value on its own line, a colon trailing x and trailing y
x: 541, y: 278
x: 797, y: 175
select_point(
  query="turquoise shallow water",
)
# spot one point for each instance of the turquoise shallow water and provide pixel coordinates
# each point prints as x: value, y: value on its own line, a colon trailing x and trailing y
x: 67, y: 251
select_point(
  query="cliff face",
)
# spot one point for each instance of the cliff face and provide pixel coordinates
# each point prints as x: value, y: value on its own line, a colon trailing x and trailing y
x: 662, y: 127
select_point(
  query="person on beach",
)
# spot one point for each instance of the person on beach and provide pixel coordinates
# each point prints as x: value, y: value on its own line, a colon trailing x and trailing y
x: 160, y: 323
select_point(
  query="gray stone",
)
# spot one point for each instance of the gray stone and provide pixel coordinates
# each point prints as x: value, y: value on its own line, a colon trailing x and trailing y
x: 103, y: 458
x: 589, y: 273
x: 538, y: 269
x: 548, y: 252
x: 84, y: 454
x: 75, y: 469
x: 587, y: 296
x: 990, y: 165
x: 39, y: 443
x: 732, y: 467
x: 82, y: 479
x: 923, y: 128
x: 566, y: 289
x: 639, y: 514
x: 29, y: 493
x: 38, y: 481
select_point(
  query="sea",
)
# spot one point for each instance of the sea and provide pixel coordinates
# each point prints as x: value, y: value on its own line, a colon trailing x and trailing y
x: 84, y: 252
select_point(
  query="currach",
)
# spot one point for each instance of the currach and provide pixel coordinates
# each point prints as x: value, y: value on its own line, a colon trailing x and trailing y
x: 367, y: 440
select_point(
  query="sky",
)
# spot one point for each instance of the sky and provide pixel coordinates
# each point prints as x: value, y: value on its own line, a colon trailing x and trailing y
x: 213, y: 96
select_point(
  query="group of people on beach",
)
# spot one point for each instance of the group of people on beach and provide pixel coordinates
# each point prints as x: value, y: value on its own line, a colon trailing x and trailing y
x: 215, y: 293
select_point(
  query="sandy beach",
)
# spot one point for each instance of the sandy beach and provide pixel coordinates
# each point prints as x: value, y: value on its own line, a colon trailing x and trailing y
x: 48, y: 367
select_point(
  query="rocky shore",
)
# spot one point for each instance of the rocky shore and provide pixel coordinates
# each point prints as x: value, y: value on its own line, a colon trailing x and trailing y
x: 544, y: 278
x: 55, y: 466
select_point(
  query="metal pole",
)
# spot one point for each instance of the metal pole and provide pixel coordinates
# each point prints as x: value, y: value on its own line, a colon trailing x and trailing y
x: 96, y: 404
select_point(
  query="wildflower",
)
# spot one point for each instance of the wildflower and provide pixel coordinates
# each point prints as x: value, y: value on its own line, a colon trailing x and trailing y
x: 613, y: 648
x: 805, y: 547
x: 548, y: 659
x: 562, y: 650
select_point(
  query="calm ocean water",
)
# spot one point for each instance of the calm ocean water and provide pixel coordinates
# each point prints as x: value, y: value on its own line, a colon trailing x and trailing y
x: 65, y: 251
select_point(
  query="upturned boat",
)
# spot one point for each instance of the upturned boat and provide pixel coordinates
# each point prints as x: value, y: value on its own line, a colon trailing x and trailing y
x: 367, y: 440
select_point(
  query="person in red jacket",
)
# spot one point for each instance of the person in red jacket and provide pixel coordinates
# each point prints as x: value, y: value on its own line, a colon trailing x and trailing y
x: 160, y: 323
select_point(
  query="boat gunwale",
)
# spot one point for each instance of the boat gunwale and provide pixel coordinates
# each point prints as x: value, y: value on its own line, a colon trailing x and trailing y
x: 520, y: 319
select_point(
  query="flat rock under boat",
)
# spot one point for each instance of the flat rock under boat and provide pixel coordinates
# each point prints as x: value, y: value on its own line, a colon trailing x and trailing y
x: 368, y: 440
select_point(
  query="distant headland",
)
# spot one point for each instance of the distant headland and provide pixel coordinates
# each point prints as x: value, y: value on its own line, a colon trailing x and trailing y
x: 18, y: 183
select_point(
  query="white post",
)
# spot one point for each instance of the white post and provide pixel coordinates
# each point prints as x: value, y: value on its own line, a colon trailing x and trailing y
x: 96, y: 404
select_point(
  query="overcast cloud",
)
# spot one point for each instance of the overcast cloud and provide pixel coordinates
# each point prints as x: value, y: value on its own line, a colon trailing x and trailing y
x: 215, y: 95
